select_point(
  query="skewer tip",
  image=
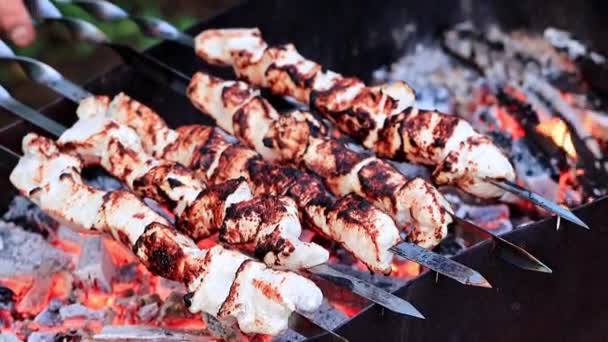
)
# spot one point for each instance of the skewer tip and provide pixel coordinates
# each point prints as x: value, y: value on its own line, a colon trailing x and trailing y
x: 539, y: 200
x: 478, y: 280
x: 409, y: 310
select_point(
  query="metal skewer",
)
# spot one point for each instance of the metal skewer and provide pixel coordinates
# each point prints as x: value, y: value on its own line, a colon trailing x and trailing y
x: 106, y: 11
x: 179, y: 82
x: 539, y: 200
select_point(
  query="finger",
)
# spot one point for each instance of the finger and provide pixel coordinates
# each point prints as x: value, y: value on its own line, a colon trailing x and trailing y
x: 16, y: 22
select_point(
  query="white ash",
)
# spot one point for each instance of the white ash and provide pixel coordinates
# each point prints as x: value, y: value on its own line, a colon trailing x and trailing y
x: 26, y: 214
x: 22, y: 253
x: 39, y: 336
x: 50, y: 316
x: 437, y: 79
x: 565, y: 41
x: 80, y: 311
x: 95, y: 265
x: 147, y: 333
x: 148, y: 312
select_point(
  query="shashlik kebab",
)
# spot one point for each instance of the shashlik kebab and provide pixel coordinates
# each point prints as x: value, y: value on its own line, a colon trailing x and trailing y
x: 221, y: 282
x: 46, y: 75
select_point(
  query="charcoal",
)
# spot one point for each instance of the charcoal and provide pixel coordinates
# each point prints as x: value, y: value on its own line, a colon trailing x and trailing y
x: 50, y: 316
x: 36, y: 297
x: 95, y: 265
x: 168, y: 286
x: 22, y: 253
x: 7, y: 298
x: 147, y: 333
x: 225, y: 330
x: 148, y: 312
x: 81, y: 311
x: 70, y: 336
x: 173, y: 306
x: 494, y: 217
x: 451, y: 245
x: 127, y: 273
x: 65, y: 233
x: 42, y: 337
x: 26, y: 214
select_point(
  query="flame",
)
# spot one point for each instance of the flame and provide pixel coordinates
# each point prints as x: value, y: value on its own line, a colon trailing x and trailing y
x: 509, y: 124
x: 557, y: 130
x: 405, y: 269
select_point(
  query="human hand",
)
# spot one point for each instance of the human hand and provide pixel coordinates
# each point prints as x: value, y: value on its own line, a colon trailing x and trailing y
x: 16, y: 23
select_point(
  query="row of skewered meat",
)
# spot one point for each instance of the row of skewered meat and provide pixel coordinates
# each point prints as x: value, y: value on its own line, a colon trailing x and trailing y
x: 382, y: 118
x: 253, y: 191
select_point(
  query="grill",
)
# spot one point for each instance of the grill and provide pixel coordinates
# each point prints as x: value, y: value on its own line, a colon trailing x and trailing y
x: 357, y: 39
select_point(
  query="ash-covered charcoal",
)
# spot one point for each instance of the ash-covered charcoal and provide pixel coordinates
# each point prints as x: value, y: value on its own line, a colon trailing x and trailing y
x: 506, y: 57
x: 22, y: 253
x: 222, y: 330
x: 148, y: 312
x: 24, y: 213
x: 492, y: 217
x: 35, y: 299
x: 451, y: 245
x: 95, y: 265
x: 71, y: 336
x: 173, y: 307
x: 438, y: 80
x: 50, y: 316
x: 147, y: 333
x: 126, y: 273
x: 80, y: 311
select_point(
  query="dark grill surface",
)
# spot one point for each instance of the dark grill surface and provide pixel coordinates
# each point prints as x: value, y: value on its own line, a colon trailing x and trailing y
x: 356, y: 38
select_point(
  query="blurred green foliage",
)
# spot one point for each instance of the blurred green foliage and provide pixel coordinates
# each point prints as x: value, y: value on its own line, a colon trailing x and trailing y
x: 121, y: 31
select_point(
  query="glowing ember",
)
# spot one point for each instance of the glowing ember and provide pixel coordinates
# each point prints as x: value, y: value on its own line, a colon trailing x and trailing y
x: 557, y: 130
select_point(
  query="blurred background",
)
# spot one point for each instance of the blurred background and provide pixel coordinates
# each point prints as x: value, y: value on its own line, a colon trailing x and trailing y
x: 81, y: 62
